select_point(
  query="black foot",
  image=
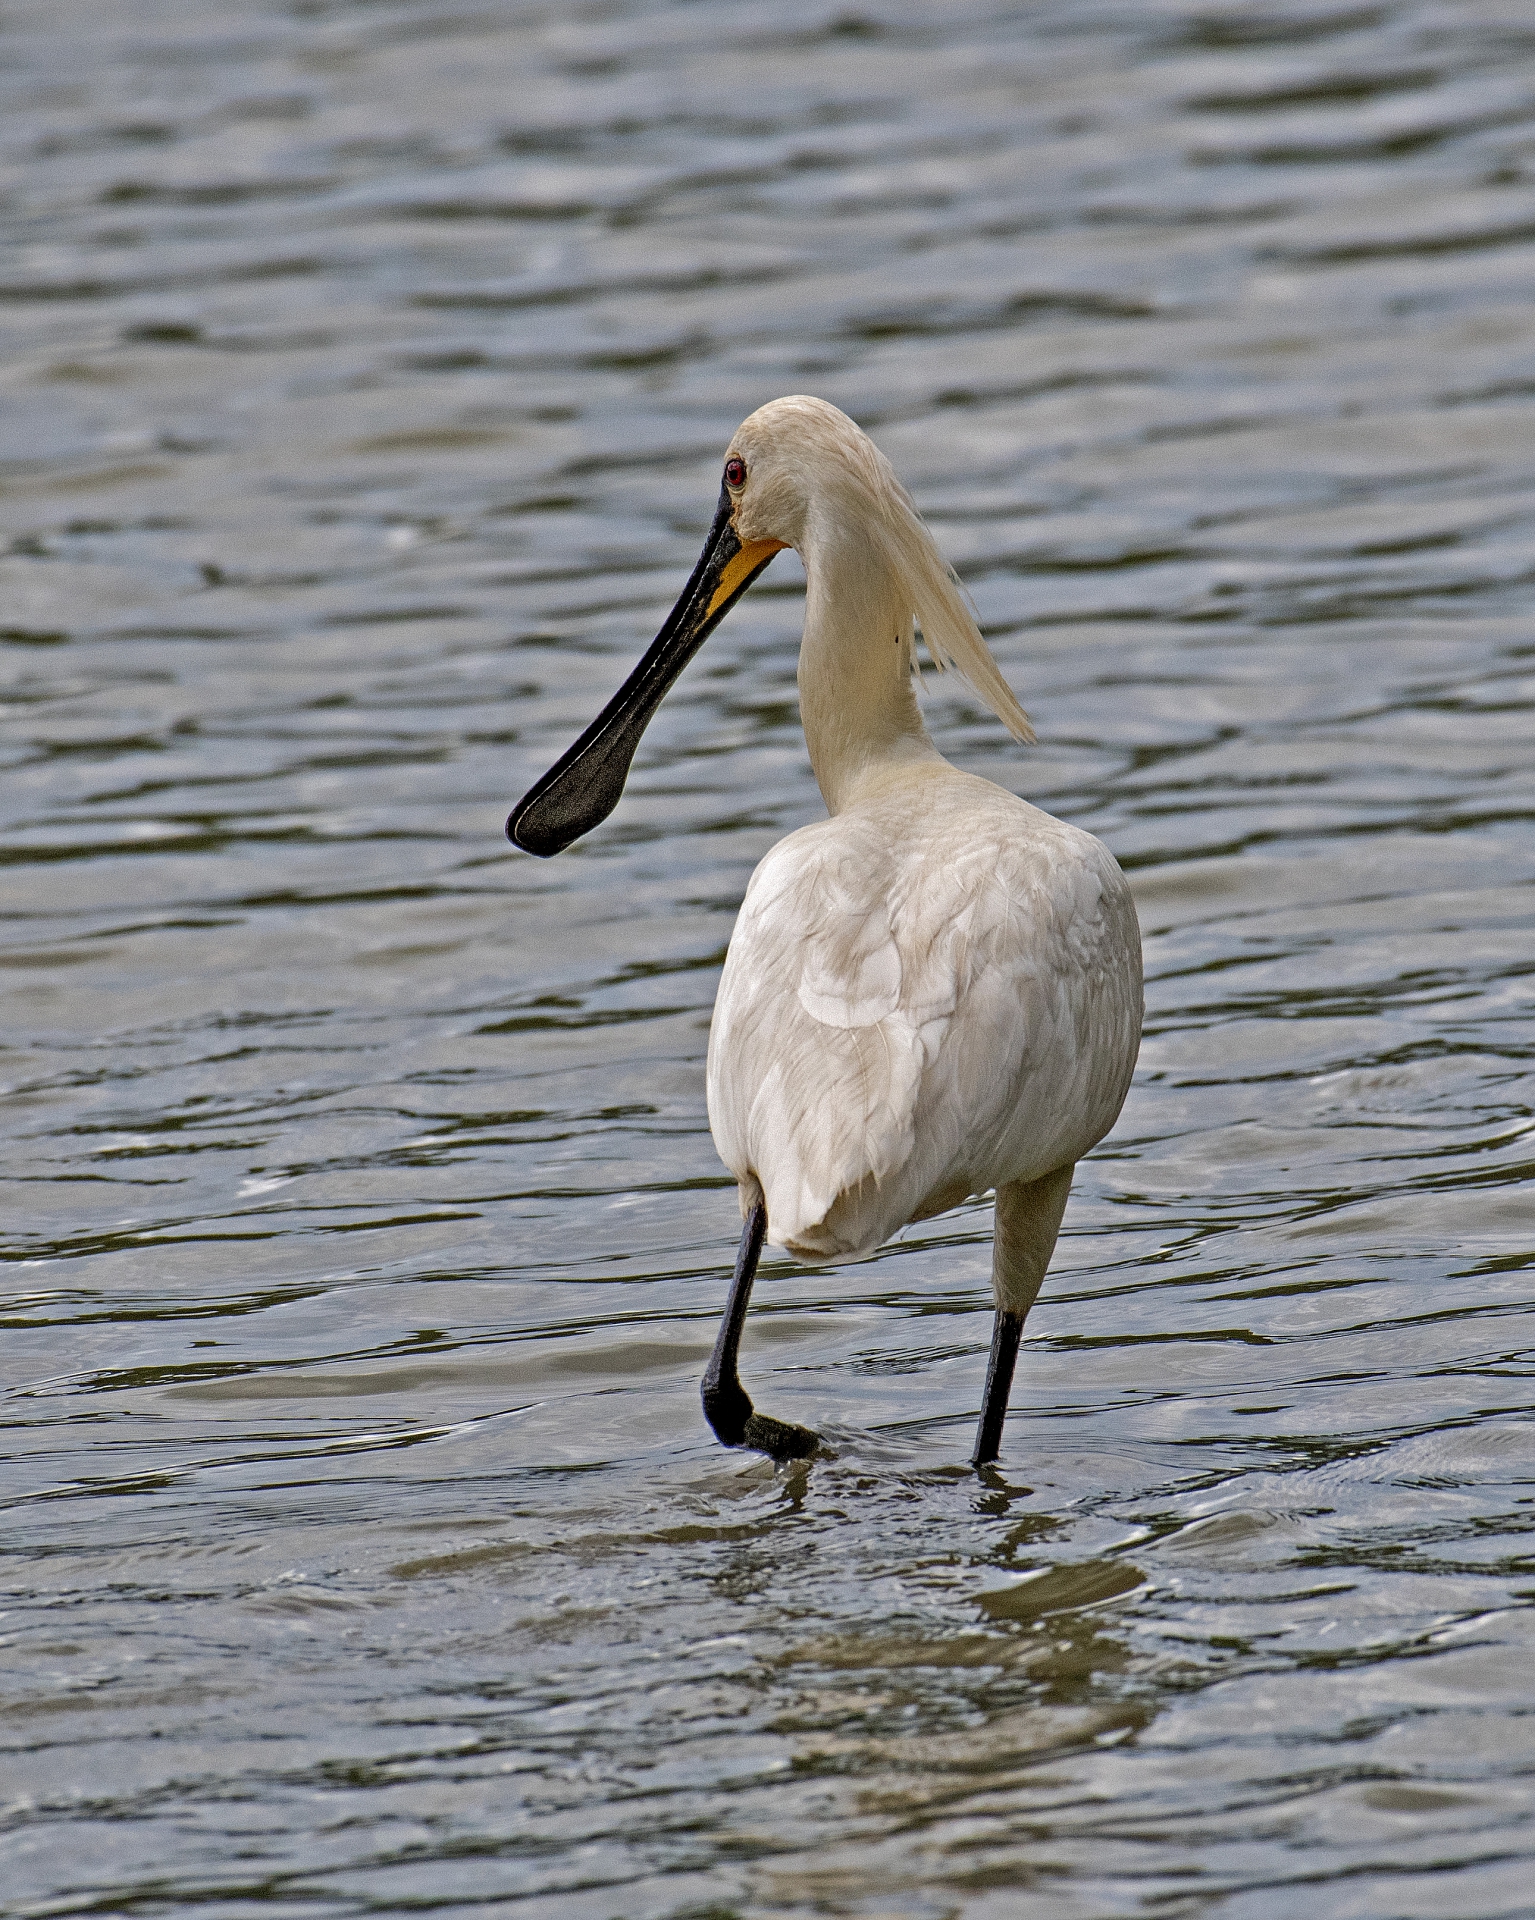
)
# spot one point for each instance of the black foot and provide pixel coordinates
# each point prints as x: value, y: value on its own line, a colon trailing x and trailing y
x: 727, y: 1407
x: 780, y: 1438
x: 737, y: 1423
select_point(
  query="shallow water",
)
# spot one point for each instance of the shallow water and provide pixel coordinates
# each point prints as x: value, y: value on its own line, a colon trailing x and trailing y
x: 367, y: 372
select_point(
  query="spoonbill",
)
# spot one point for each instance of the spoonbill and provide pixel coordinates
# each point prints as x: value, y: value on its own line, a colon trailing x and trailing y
x: 935, y: 992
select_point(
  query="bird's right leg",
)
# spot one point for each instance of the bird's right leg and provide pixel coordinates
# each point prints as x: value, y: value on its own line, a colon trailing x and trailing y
x: 1028, y: 1219
x: 727, y: 1407
x: 1006, y: 1331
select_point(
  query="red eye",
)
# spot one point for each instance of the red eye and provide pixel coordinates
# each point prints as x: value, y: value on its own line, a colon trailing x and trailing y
x: 735, y: 473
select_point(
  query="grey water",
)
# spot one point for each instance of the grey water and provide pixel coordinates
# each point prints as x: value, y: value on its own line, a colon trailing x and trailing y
x: 366, y: 373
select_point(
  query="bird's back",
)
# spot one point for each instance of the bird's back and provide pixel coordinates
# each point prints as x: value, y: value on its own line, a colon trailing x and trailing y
x: 932, y: 993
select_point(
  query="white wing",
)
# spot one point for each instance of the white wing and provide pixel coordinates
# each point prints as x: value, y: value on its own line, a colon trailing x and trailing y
x: 919, y: 1007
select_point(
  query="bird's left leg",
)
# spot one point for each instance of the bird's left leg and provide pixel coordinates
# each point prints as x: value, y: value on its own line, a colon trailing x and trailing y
x: 727, y: 1407
x: 1028, y: 1219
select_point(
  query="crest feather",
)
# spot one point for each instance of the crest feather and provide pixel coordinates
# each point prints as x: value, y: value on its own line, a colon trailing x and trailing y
x: 929, y: 585
x: 942, y: 607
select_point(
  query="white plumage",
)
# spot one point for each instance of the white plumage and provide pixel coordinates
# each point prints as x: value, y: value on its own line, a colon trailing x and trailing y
x: 934, y: 993
x: 926, y: 997
x: 937, y: 991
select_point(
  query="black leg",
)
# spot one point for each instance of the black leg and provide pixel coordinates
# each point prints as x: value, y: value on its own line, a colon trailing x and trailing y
x: 1005, y: 1333
x: 726, y: 1405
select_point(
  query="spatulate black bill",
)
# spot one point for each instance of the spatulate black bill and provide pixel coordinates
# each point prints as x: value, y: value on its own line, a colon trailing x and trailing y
x: 584, y: 785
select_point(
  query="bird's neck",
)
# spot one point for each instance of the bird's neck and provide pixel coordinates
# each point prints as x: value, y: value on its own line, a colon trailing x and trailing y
x: 857, y: 702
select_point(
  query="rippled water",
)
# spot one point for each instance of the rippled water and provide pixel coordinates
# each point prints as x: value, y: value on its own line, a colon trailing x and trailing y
x: 367, y: 371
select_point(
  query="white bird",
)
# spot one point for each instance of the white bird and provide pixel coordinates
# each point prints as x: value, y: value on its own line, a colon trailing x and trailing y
x: 932, y: 994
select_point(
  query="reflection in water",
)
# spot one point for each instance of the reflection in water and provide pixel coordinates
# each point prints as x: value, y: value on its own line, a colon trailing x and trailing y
x: 368, y: 373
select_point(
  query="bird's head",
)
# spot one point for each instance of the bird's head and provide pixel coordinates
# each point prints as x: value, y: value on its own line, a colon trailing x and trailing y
x: 800, y: 463
x: 797, y: 473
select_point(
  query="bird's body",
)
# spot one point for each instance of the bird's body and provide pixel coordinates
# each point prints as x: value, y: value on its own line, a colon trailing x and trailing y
x: 933, y: 993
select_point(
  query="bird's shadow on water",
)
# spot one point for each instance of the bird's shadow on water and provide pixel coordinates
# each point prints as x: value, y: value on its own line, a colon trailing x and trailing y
x: 869, y: 1490
x: 878, y: 1496
x: 869, y: 1458
x: 896, y: 1600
